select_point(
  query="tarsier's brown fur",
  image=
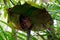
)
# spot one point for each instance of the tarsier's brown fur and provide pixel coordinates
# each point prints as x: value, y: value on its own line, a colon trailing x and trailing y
x: 40, y: 18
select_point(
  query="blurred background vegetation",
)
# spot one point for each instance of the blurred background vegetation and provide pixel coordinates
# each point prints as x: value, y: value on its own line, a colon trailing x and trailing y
x: 6, y: 32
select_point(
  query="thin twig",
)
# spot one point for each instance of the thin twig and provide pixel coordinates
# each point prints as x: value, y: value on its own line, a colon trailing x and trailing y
x: 28, y: 34
x: 12, y: 2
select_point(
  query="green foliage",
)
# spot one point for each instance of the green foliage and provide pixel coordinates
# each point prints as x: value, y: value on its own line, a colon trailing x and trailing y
x: 9, y: 35
x: 53, y: 8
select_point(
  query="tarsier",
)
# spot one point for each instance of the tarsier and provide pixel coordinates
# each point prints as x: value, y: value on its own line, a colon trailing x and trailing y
x: 26, y: 17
